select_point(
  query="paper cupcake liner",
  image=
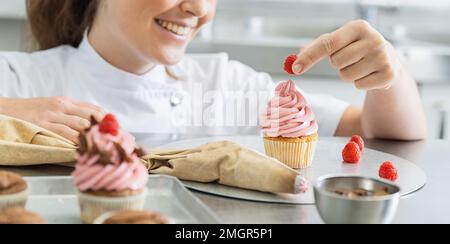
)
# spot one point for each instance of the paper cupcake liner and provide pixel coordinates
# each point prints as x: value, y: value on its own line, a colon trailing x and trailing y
x: 91, y: 207
x: 14, y: 200
x: 297, y: 155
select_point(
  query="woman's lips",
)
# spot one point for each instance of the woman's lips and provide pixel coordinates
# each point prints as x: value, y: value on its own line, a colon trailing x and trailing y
x: 179, y: 30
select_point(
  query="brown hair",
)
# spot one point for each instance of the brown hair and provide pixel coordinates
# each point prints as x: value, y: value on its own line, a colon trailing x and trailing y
x: 59, y: 22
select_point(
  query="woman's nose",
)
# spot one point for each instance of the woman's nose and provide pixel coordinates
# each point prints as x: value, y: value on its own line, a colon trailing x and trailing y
x: 197, y: 8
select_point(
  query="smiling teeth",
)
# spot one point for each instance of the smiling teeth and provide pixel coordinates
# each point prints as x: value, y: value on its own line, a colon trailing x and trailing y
x: 174, y: 28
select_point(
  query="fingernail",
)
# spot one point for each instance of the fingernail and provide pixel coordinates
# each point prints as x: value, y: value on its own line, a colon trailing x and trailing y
x: 297, y: 68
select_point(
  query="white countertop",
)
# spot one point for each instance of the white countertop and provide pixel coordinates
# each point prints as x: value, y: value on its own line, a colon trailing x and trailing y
x: 428, y: 205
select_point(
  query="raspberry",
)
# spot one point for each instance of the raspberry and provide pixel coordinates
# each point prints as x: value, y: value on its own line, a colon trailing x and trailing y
x: 358, y: 140
x: 109, y: 125
x: 289, y: 62
x: 388, y: 171
x: 351, y: 153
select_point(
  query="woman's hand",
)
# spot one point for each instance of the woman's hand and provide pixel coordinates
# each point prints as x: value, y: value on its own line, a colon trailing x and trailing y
x: 358, y: 51
x: 364, y: 57
x: 64, y: 116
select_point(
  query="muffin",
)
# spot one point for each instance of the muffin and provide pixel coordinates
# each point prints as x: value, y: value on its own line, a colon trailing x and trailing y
x: 13, y: 190
x: 18, y: 215
x: 108, y: 175
x: 289, y: 127
x: 132, y: 217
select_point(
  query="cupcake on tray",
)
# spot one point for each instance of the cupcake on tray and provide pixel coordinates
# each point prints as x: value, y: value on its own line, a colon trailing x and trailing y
x: 13, y: 190
x: 109, y: 175
x: 289, y: 127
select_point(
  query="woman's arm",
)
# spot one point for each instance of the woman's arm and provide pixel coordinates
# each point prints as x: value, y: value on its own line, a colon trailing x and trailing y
x: 24, y: 77
x: 62, y: 115
x: 393, y: 108
x: 396, y: 113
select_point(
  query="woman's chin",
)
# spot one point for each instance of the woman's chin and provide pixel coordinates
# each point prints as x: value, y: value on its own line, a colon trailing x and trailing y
x: 171, y: 58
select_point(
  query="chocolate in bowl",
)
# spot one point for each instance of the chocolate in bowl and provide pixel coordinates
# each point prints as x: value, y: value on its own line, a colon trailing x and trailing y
x: 356, y: 200
x: 360, y: 192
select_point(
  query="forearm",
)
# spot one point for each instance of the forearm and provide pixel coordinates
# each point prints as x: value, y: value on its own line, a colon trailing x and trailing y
x: 396, y: 113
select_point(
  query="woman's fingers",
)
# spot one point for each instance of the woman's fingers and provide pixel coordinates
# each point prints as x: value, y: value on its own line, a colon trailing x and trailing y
x: 329, y: 44
x: 84, y: 111
x: 88, y: 105
x: 358, y: 51
x: 64, y: 131
x: 368, y: 65
x: 62, y: 115
x: 74, y: 122
x: 349, y: 55
x: 322, y: 47
x: 356, y: 71
x: 377, y: 80
x: 377, y: 70
x: 70, y: 106
x: 71, y: 117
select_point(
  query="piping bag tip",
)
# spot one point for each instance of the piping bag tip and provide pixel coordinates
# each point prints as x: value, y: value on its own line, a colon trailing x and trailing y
x: 301, y: 185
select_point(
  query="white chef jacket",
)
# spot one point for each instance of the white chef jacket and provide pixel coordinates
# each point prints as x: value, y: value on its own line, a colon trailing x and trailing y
x: 195, y: 98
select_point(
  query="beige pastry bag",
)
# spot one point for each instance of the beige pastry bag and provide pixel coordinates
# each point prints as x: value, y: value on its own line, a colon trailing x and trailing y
x: 226, y: 163
x: 22, y: 143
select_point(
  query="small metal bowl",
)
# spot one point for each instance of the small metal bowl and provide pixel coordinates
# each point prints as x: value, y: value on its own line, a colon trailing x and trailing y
x: 351, y: 209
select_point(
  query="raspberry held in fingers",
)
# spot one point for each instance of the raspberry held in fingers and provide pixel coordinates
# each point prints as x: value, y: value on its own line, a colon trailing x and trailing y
x: 289, y: 62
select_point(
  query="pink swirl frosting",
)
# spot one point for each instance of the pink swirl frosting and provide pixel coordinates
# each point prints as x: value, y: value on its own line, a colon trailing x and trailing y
x: 288, y: 114
x: 117, y: 175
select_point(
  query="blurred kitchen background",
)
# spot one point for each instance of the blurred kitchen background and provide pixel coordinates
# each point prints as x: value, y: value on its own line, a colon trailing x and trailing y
x: 261, y: 33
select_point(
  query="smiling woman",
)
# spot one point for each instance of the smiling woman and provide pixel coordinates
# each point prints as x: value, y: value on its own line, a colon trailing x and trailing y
x: 129, y: 58
x: 140, y: 35
x: 168, y: 25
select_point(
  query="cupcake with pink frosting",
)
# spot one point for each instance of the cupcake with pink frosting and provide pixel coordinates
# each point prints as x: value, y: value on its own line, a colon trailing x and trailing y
x: 289, y: 127
x: 109, y: 175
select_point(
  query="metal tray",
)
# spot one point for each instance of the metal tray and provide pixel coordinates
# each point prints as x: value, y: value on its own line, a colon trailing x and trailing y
x: 328, y: 161
x: 54, y: 199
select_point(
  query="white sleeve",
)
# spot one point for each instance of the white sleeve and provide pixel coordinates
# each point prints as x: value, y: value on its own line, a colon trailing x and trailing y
x: 244, y: 78
x: 328, y: 110
x: 254, y: 91
x: 237, y: 87
x: 24, y: 75
x: 7, y: 77
x: 18, y: 77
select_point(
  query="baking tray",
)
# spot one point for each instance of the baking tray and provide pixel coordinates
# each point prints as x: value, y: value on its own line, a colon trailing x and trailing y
x: 328, y: 161
x: 55, y: 200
